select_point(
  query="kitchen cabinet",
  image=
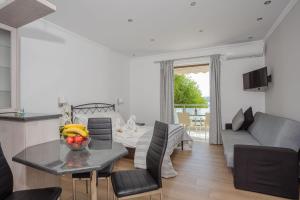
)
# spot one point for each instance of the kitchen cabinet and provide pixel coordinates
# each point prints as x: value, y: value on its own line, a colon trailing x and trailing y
x: 8, y: 69
x: 21, y: 130
x: 16, y: 13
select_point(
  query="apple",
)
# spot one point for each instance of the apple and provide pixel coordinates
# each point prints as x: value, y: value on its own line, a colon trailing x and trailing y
x: 78, y: 139
x: 70, y: 140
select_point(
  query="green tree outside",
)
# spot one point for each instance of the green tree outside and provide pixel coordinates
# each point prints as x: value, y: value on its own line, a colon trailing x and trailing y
x: 186, y: 91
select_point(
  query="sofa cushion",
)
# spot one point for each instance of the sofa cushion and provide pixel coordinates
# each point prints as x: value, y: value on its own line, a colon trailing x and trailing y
x: 266, y: 128
x: 238, y: 120
x: 249, y: 119
x: 230, y: 138
x: 289, y: 135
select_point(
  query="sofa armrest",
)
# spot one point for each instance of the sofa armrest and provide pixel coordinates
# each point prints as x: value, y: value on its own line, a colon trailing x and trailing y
x: 228, y: 126
x: 268, y: 170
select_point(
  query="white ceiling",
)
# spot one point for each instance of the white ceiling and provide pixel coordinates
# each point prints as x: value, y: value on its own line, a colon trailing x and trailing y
x: 174, y: 24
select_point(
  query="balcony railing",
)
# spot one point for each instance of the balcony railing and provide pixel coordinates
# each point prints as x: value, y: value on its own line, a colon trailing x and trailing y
x: 194, y: 110
x: 198, y: 117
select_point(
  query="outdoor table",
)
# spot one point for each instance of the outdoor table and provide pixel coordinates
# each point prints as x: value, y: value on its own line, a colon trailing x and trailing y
x: 56, y: 158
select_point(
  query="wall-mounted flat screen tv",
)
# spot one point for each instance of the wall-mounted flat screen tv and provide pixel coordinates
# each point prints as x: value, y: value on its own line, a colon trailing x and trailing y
x: 256, y: 80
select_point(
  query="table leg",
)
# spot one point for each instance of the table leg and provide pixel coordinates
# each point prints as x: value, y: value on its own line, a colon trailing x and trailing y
x: 94, y: 185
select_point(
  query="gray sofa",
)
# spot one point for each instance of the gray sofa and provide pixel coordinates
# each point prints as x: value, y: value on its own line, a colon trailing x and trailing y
x: 265, y: 157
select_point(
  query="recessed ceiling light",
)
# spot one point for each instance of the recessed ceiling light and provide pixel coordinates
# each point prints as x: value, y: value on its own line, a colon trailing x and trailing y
x: 130, y: 20
x: 267, y: 2
x: 193, y: 3
x: 152, y: 40
x: 259, y: 19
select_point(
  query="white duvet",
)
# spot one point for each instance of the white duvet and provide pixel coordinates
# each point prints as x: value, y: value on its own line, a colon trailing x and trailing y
x: 140, y: 139
x: 129, y: 138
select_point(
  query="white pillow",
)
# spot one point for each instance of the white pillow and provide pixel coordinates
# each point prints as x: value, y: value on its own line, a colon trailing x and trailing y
x: 83, y: 118
x: 238, y: 120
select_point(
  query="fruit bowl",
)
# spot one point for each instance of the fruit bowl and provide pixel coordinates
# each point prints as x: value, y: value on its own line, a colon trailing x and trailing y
x: 76, y: 136
x: 77, y: 146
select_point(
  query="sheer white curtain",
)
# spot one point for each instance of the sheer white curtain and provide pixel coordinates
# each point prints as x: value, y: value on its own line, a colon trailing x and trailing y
x: 167, y: 91
x: 215, y: 101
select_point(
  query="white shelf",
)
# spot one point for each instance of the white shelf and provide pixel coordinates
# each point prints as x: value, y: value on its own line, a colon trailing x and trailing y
x: 5, y: 46
x: 16, y: 13
x: 5, y: 67
x: 5, y: 99
x: 8, y: 65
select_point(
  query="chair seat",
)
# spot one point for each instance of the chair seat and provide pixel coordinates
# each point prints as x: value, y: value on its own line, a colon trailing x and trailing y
x: 106, y: 172
x: 126, y: 183
x: 36, y: 194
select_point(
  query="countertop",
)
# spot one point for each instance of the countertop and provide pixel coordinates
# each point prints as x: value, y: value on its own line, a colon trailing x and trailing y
x: 25, y: 117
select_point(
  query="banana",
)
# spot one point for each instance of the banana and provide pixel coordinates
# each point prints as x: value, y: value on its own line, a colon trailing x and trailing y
x: 74, y: 130
x: 80, y: 126
x: 69, y: 134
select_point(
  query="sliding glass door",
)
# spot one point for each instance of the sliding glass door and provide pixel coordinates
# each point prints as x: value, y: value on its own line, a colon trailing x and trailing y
x: 192, y: 99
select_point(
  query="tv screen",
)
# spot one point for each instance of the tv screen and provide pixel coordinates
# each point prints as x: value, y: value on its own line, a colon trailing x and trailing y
x: 256, y: 79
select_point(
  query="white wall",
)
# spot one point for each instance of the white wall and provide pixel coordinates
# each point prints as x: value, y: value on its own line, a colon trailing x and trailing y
x: 145, y: 90
x: 55, y: 62
x: 145, y: 81
x: 233, y: 97
x: 282, y: 58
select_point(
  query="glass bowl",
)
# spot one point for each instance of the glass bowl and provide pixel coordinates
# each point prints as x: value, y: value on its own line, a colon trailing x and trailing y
x: 78, y: 146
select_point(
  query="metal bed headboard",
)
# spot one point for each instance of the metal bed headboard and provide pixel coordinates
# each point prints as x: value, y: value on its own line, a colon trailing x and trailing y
x: 91, y: 108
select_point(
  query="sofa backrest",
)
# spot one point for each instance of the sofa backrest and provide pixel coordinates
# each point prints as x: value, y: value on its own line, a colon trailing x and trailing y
x: 276, y: 131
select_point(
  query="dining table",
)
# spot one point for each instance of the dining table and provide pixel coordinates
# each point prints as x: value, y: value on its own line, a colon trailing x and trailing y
x: 56, y: 158
x: 198, y: 118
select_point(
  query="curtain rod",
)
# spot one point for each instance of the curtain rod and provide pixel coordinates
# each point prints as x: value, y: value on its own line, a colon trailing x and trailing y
x: 196, y: 65
x: 188, y: 58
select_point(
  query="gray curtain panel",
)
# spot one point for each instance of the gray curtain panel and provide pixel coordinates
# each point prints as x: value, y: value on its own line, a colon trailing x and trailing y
x: 215, y: 101
x: 167, y: 91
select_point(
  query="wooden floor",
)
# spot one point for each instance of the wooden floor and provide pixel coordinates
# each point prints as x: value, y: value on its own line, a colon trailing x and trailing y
x: 202, y: 174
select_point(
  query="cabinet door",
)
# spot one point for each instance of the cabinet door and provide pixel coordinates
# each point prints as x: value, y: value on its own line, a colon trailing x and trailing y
x: 8, y: 68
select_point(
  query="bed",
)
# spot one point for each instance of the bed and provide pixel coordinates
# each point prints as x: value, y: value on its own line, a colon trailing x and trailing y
x: 137, y: 141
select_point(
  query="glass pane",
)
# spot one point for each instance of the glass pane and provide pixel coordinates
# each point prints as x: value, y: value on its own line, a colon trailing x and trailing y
x: 5, y: 69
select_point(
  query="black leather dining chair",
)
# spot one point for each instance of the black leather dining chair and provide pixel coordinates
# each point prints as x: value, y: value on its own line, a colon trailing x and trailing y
x: 144, y: 182
x: 6, y: 186
x: 100, y: 129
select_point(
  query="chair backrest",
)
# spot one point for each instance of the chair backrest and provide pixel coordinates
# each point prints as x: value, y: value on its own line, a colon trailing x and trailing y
x: 156, y: 151
x: 184, y: 118
x: 6, y: 177
x: 100, y: 128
